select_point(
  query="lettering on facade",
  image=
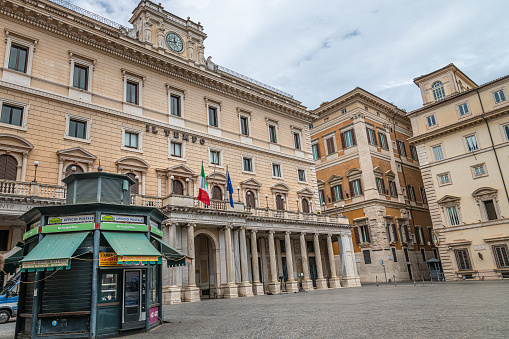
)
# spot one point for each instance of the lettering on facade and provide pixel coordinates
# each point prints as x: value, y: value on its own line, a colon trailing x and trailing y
x: 176, y: 134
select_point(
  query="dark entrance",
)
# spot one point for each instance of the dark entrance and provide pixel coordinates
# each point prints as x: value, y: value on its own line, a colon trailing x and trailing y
x: 312, y: 270
x: 8, y: 167
x: 409, y: 271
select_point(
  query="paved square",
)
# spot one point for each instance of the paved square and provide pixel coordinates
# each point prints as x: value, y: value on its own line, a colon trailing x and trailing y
x: 453, y: 310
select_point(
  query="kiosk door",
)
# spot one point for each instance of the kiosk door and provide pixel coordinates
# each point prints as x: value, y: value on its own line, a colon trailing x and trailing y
x: 133, y: 300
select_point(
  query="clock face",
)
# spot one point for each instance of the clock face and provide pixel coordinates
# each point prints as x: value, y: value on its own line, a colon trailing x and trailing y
x: 174, y: 42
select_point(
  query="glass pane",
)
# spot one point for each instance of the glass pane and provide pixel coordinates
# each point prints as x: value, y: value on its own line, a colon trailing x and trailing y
x: 80, y: 130
x: 491, y: 213
x: 12, y: 57
x: 16, y: 116
x: 134, y: 140
x: 83, y: 78
x: 72, y: 128
x: 76, y: 75
x: 22, y: 59
x: 132, y: 289
x: 109, y: 287
x: 6, y: 114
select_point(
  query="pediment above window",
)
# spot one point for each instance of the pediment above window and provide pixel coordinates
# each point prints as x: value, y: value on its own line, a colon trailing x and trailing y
x: 132, y: 164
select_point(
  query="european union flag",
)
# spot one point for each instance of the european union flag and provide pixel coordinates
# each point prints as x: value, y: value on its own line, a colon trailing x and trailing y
x: 229, y: 187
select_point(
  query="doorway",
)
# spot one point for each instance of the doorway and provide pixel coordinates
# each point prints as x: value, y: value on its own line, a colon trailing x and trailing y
x: 205, y: 266
x: 133, y: 312
x: 312, y: 270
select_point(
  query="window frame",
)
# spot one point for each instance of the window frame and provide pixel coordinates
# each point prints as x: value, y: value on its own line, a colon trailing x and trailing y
x: 272, y: 164
x: 401, y: 148
x: 298, y: 133
x: 459, y: 108
x: 245, y: 156
x: 84, y: 62
x: 467, y: 145
x: 182, y: 149
x: 137, y: 79
x: 424, y: 197
x: 496, y: 91
x: 438, y: 91
x: 220, y: 157
x: 247, y: 118
x: 413, y: 153
x: 333, y: 143
x: 427, y: 117
x: 473, y: 167
x: 23, y: 41
x: 410, y: 193
x: 393, y: 187
x: 138, y: 149
x: 382, y: 136
x: 87, y: 121
x: 495, y: 255
x: 466, y: 256
x: 440, y: 183
x: 276, y: 136
x: 316, y: 155
x: 181, y: 95
x: 352, y: 191
x: 353, y: 138
x: 448, y: 215
x: 441, y: 152
x: 380, y: 185
x: 371, y: 135
x: 24, y: 114
x: 305, y: 181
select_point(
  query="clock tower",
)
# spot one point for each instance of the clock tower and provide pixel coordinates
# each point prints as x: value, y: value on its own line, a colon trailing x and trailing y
x: 167, y: 33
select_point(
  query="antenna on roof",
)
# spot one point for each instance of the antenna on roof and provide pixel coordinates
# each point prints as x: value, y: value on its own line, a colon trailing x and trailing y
x: 99, y: 169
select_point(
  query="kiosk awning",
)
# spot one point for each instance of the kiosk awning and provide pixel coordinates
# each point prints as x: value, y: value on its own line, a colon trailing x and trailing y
x: 54, y: 250
x: 173, y: 256
x: 132, y: 247
x: 12, y: 258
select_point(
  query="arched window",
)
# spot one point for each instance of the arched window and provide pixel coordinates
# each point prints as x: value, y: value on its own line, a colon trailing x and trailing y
x: 134, y: 187
x: 8, y: 167
x: 217, y: 194
x: 69, y: 169
x: 280, y: 202
x: 438, y: 90
x: 178, y: 188
x: 305, y: 205
x: 250, y: 199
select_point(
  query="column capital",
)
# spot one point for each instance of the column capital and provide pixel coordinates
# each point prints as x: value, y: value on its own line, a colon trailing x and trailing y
x: 329, y: 235
x: 302, y: 233
x: 189, y: 225
x: 253, y: 231
x: 288, y: 232
x: 230, y: 226
x: 271, y: 231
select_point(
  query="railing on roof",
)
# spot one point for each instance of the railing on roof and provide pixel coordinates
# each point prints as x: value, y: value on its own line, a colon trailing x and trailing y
x: 88, y: 14
x: 253, y: 81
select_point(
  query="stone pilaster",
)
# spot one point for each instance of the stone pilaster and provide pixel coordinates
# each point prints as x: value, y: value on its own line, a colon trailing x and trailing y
x: 245, y: 289
x: 172, y: 293
x: 350, y: 276
x: 333, y: 280
x: 229, y: 289
x: 257, y: 285
x: 191, y: 291
x: 291, y: 284
x: 321, y: 283
x: 307, y: 284
x: 274, y: 285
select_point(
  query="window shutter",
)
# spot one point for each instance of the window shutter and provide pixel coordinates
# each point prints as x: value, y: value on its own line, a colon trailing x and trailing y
x: 357, y: 239
x: 367, y: 133
x: 333, y: 196
x: 8, y: 167
x: 407, y: 234
x: 383, y: 185
x: 354, y: 142
x: 380, y: 138
x: 341, y: 192
x: 374, y: 138
x: 368, y: 238
x: 318, y: 151
x: 351, y: 189
x: 360, y: 186
x: 395, y: 232
x: 343, y: 143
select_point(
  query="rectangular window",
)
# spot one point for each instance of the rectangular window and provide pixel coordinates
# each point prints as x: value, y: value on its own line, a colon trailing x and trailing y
x: 383, y: 140
x: 437, y: 152
x: 499, y: 96
x: 175, y: 105
x: 471, y: 143
x: 276, y: 170
x: 423, y: 254
x: 18, y: 58
x: 247, y: 164
x: 131, y: 95
x: 214, y: 157
x: 80, y: 78
x: 411, y: 193
x: 330, y: 145
x: 337, y: 193
x: 77, y: 129
x: 272, y: 134
x: 316, y: 152
x: 348, y: 139
x: 413, y: 151
x: 213, y: 116
x: 131, y: 139
x: 394, y: 256
x: 367, y: 257
x: 405, y: 251
x: 489, y: 207
x: 244, y: 126
x: 343, y: 111
x: 392, y: 188
x: 310, y: 248
x: 371, y: 136
x: 452, y: 213
x: 501, y: 256
x: 364, y: 233
x: 463, y: 260
x: 12, y: 115
x: 302, y: 175
x: 424, y: 198
x: 355, y: 187
x: 444, y: 178
x: 380, y: 185
x: 176, y: 149
x: 463, y: 108
x: 506, y: 129
x: 431, y: 121
x: 296, y: 140
x: 401, y: 148
x: 282, y: 244
x: 418, y: 235
x: 321, y: 196
x: 479, y: 170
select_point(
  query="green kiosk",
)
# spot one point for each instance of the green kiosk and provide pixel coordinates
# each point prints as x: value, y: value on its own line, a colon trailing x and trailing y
x: 93, y: 267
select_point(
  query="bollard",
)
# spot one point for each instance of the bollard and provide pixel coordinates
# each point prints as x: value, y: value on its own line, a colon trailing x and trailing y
x: 423, y: 279
x: 376, y: 277
x: 414, y: 281
x: 394, y: 277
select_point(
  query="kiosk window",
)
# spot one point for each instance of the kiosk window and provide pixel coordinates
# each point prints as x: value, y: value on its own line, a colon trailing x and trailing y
x: 109, y: 283
x: 152, y: 297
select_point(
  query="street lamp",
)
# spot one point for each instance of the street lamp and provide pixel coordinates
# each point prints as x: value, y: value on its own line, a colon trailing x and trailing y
x: 36, y: 163
x: 187, y: 186
x: 137, y: 178
x: 324, y: 209
x: 172, y: 178
x: 267, y: 200
x: 343, y: 209
x: 238, y: 193
x: 336, y: 208
x: 297, y: 200
x: 283, y: 201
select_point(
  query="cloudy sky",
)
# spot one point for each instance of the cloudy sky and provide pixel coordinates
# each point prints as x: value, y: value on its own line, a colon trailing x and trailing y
x: 318, y: 50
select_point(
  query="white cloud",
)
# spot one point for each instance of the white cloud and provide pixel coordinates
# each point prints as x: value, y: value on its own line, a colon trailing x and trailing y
x: 318, y: 50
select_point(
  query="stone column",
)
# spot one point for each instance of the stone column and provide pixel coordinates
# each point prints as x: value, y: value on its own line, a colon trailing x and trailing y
x: 172, y: 294
x: 257, y: 285
x: 143, y: 176
x: 274, y: 286
x: 159, y: 184
x: 333, y: 280
x: 24, y: 168
x: 191, y: 291
x: 229, y: 289
x: 291, y: 284
x: 350, y: 277
x: 246, y: 289
x: 60, y: 170
x: 321, y: 283
x: 307, y: 284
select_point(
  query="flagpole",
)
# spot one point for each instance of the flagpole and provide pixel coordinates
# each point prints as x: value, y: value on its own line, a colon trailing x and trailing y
x: 226, y: 186
x: 213, y: 179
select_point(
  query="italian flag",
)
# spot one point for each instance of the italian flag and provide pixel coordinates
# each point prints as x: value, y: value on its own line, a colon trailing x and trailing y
x: 203, y: 193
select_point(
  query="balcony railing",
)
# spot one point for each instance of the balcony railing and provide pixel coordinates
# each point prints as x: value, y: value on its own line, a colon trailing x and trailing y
x: 31, y: 189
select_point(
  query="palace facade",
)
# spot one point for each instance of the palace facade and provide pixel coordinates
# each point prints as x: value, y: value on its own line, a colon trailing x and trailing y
x: 78, y: 91
x: 462, y: 139
x: 366, y: 170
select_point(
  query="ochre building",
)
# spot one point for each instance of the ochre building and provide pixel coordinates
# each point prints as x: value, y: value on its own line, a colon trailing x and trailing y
x: 462, y: 139
x: 367, y: 170
x: 78, y: 91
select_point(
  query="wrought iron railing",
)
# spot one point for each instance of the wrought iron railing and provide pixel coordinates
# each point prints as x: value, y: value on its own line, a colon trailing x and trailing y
x: 253, y: 81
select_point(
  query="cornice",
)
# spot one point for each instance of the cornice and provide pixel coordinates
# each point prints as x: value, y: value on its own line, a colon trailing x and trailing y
x: 146, y: 120
x: 114, y: 42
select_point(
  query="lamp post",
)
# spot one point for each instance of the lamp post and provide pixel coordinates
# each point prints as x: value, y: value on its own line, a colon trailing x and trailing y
x: 336, y: 209
x: 249, y: 196
x: 324, y: 209
x: 283, y: 201
x: 343, y: 209
x: 238, y: 193
x: 267, y: 200
x: 36, y: 163
x: 187, y: 186
x: 137, y: 178
x: 172, y: 178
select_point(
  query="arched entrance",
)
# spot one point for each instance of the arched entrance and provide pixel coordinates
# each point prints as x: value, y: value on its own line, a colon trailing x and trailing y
x: 206, y: 263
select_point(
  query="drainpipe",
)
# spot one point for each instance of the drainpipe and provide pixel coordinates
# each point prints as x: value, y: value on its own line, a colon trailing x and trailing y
x: 493, y: 145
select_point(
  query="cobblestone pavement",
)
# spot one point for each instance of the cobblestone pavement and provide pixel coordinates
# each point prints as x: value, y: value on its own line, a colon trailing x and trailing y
x: 452, y: 310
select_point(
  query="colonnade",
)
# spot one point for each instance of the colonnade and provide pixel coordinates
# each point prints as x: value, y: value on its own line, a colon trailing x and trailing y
x: 238, y: 262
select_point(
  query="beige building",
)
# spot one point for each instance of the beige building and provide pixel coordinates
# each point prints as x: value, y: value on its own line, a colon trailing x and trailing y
x: 367, y: 170
x: 76, y: 88
x: 462, y: 139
